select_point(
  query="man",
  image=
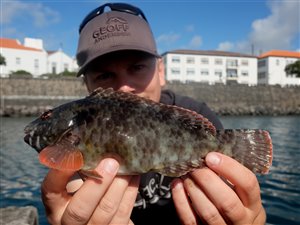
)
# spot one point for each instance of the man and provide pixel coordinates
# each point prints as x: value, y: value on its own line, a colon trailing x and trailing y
x: 117, y: 49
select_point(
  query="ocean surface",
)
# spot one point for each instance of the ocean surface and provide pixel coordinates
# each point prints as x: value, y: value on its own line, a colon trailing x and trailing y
x: 21, y: 174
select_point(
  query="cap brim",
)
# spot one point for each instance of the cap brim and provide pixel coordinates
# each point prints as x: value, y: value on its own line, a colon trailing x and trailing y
x: 82, y: 69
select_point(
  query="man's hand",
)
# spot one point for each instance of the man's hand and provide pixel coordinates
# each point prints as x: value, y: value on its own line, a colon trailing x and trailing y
x: 225, y: 192
x: 109, y: 200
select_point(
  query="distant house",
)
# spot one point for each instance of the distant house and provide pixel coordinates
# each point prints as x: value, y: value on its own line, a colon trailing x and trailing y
x: 33, y: 58
x: 271, y: 67
x: 22, y: 57
x: 59, y: 62
x: 210, y: 67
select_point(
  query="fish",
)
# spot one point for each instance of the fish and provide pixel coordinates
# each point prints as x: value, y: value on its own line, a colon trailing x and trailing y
x: 142, y: 135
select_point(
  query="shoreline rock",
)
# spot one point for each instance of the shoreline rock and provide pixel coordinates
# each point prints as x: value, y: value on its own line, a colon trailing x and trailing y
x: 31, y: 97
x: 13, y: 215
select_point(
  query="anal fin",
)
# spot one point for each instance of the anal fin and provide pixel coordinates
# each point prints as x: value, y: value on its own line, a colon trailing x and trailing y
x: 180, y: 168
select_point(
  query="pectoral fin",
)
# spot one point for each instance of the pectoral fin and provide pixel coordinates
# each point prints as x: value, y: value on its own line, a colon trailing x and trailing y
x: 61, y: 157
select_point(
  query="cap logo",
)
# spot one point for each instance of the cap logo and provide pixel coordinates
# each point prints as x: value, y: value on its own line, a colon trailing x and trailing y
x: 115, y: 26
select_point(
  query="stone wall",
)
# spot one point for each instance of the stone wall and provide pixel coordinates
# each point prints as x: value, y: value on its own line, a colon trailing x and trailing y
x: 245, y: 100
x: 33, y: 96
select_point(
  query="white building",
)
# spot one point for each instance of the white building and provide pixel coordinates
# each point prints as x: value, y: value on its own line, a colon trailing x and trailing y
x: 210, y: 67
x: 59, y: 62
x: 33, y: 58
x: 271, y: 68
x: 22, y: 57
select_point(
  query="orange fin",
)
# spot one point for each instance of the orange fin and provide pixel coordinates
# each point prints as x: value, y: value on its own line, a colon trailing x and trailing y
x: 61, y: 157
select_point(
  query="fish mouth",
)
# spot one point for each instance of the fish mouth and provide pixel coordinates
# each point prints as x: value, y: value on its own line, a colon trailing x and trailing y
x: 27, y: 139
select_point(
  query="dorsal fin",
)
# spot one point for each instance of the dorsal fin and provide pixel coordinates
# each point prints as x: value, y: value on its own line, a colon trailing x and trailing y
x: 101, y: 92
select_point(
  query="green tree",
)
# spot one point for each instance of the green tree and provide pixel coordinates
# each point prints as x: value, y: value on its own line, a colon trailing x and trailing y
x: 21, y: 74
x: 2, y: 60
x: 293, y: 68
x: 67, y: 73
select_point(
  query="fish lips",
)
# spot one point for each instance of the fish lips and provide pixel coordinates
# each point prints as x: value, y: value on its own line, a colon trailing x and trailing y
x: 29, y: 140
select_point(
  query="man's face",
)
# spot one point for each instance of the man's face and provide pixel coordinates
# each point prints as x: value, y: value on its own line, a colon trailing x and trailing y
x: 129, y: 71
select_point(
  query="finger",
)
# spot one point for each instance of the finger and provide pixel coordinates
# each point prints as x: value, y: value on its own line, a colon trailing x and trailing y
x: 123, y: 214
x: 109, y: 204
x: 204, y: 208
x: 220, y: 194
x: 182, y: 203
x: 54, y: 195
x: 86, y: 199
x: 56, y: 181
x: 74, y: 183
x: 244, y: 181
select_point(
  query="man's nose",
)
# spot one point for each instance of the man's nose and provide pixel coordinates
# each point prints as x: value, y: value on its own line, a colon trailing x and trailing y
x: 126, y: 88
x: 124, y: 83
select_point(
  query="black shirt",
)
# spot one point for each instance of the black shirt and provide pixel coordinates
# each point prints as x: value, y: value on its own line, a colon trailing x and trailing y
x: 154, y: 204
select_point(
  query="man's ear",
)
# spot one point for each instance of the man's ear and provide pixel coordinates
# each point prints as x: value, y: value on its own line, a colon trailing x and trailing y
x: 161, y: 72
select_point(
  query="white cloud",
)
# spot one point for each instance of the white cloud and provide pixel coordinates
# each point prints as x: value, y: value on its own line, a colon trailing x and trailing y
x: 276, y: 31
x: 40, y: 14
x: 168, y: 39
x: 195, y: 42
x: 226, y: 46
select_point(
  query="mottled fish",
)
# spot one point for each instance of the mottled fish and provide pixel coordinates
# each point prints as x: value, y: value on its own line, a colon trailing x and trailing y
x: 141, y: 134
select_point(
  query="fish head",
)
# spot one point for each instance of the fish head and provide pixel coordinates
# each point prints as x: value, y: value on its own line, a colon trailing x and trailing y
x: 49, y: 128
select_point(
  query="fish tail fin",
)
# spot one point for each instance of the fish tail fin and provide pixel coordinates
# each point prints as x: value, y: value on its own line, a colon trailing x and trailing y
x: 252, y: 148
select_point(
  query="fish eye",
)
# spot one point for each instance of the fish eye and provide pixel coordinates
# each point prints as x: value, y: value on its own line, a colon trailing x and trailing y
x: 46, y: 115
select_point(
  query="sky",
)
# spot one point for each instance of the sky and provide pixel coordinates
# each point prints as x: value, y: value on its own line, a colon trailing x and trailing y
x: 243, y: 26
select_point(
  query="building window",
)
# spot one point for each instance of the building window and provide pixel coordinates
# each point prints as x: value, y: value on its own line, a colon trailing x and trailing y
x: 261, y: 75
x: 232, y: 62
x: 277, y: 62
x: 36, y: 63
x: 53, y: 66
x: 245, y: 73
x: 204, y: 60
x: 232, y: 73
x: 204, y: 72
x: 218, y: 61
x: 245, y: 62
x: 18, y: 61
x: 175, y: 71
x: 66, y: 66
x: 218, y: 73
x: 261, y: 63
x: 190, y: 71
x: 175, y: 59
x: 190, y: 60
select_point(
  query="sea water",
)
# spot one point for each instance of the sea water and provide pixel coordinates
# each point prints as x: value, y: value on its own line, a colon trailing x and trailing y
x: 21, y: 173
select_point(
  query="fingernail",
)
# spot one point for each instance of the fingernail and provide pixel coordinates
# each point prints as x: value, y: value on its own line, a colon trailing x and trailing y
x: 212, y: 158
x: 110, y: 165
x: 177, y: 184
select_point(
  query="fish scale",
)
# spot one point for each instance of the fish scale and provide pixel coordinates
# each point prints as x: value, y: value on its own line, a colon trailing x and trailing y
x: 141, y: 134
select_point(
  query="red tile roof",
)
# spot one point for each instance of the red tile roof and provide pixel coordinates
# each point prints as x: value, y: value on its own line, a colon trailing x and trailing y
x: 208, y: 52
x: 14, y: 44
x: 280, y: 53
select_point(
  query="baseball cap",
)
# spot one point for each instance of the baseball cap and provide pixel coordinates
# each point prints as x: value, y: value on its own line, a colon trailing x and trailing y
x: 106, y: 32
